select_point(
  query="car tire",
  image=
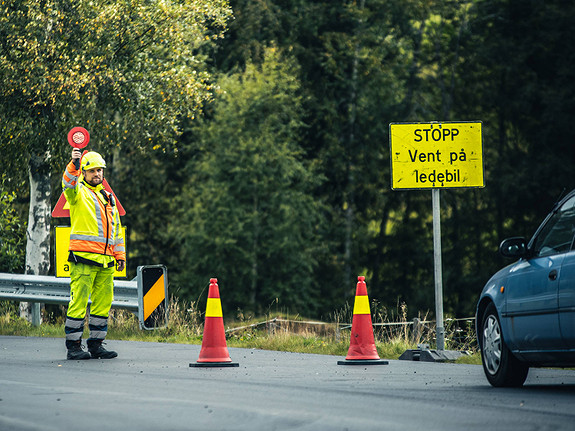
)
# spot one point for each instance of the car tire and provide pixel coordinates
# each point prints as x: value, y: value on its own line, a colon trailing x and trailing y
x: 501, y: 367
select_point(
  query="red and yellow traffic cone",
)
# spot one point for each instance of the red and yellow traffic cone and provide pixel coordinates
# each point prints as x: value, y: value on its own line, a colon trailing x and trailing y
x: 362, y: 349
x: 214, y: 351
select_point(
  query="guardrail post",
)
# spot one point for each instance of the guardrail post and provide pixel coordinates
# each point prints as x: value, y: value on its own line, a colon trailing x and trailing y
x: 36, y: 314
x: 416, y: 331
x: 271, y: 326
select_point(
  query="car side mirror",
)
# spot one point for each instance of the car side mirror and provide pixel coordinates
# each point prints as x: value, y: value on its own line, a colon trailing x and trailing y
x: 514, y: 247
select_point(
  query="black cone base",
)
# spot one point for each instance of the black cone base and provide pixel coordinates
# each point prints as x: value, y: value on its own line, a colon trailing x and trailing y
x: 363, y: 362
x: 214, y: 364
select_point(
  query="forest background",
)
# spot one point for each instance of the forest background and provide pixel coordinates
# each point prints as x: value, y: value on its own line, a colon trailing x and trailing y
x: 249, y: 140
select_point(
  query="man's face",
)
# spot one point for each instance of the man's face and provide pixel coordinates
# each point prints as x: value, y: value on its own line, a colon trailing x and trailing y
x: 94, y: 176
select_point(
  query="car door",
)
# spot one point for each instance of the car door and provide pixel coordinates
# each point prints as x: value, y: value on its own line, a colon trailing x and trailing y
x: 566, y: 300
x: 566, y: 293
x: 531, y: 304
x: 532, y: 291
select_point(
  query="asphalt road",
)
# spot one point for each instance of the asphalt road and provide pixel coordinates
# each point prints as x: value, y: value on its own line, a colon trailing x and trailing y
x: 150, y: 386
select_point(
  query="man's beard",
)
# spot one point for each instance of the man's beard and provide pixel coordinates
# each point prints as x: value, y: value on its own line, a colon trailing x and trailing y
x: 95, y: 183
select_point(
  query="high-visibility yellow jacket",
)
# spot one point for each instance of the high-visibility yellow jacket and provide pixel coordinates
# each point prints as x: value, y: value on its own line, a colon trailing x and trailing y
x: 96, y: 226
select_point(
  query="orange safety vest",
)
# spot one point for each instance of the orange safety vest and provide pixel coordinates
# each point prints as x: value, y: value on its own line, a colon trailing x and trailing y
x: 96, y: 226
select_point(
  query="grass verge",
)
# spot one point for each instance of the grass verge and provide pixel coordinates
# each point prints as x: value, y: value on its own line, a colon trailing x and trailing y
x: 393, y: 333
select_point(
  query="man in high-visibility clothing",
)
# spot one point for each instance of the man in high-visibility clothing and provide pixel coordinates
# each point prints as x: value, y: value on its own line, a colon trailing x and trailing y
x: 96, y: 244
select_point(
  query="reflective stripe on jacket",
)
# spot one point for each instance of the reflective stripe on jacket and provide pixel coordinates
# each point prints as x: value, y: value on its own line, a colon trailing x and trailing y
x: 96, y: 226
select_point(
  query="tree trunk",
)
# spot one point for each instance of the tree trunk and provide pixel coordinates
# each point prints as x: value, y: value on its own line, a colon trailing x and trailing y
x: 38, y: 230
x: 350, y: 195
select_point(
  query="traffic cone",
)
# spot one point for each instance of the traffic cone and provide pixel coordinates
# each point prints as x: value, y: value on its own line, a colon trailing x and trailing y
x: 362, y: 349
x: 214, y: 351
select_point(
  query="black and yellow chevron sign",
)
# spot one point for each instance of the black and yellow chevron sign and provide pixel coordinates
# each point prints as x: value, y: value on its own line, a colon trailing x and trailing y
x: 152, y: 296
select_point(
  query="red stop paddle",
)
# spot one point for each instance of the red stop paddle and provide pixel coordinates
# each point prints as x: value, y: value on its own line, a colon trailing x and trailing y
x: 78, y: 137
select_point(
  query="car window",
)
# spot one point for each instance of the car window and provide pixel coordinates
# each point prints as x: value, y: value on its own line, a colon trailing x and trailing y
x: 557, y: 234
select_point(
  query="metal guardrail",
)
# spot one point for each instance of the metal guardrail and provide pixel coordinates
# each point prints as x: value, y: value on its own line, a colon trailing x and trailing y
x: 51, y: 290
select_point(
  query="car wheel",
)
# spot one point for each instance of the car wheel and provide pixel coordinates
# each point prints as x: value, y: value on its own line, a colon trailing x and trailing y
x: 501, y: 367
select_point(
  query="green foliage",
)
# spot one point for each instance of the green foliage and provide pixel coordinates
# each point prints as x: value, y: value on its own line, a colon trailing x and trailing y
x: 366, y: 64
x: 126, y: 70
x: 12, y: 233
x: 248, y: 215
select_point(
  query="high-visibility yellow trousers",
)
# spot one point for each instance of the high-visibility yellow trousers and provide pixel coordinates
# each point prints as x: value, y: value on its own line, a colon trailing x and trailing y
x: 89, y: 282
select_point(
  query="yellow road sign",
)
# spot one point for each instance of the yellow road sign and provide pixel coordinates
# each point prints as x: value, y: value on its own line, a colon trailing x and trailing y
x: 62, y: 243
x: 436, y: 155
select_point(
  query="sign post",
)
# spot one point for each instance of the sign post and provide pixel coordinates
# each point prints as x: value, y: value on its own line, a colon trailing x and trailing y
x: 434, y: 156
x: 437, y: 271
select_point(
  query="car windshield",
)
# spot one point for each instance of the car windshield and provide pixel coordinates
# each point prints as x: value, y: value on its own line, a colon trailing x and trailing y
x: 557, y: 234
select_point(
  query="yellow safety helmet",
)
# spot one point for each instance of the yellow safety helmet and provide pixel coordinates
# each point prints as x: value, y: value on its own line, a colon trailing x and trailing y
x: 93, y: 160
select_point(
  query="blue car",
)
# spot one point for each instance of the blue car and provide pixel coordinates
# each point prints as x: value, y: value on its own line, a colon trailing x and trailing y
x: 526, y: 312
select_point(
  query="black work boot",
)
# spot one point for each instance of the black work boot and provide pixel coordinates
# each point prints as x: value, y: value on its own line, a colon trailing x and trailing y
x: 75, y: 351
x: 98, y: 352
